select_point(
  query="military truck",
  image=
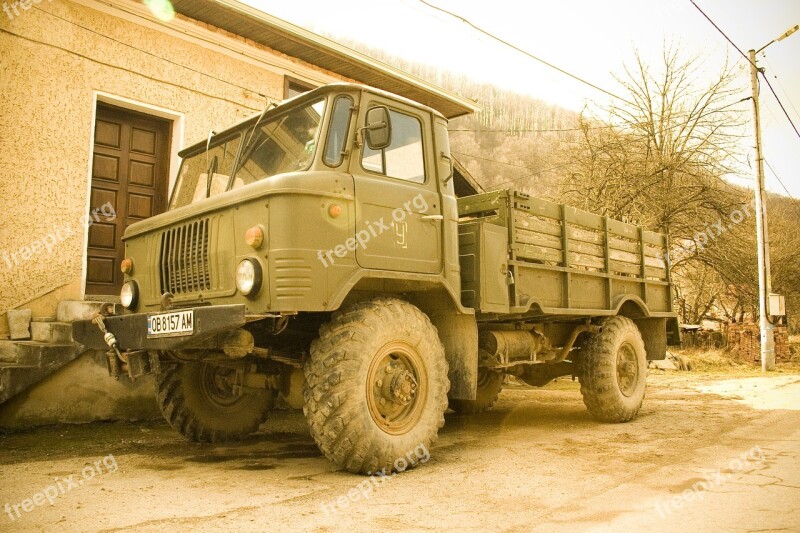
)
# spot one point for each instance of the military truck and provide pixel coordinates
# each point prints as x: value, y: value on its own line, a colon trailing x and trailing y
x: 320, y: 246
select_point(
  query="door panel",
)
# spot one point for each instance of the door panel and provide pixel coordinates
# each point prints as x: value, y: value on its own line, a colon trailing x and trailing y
x: 401, y: 239
x: 129, y: 172
x: 402, y: 216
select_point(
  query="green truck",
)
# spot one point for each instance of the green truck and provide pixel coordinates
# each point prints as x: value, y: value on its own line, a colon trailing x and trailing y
x: 320, y: 247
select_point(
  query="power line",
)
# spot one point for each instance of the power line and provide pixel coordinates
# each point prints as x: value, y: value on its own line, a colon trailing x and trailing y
x: 785, y: 92
x: 610, y: 126
x: 794, y: 200
x: 493, y: 160
x: 511, y: 132
x: 780, y: 104
x: 538, y: 173
x: 197, y: 71
x: 722, y: 33
x: 760, y: 71
x: 520, y: 50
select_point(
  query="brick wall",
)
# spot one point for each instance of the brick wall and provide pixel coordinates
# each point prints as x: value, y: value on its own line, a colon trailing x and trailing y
x: 745, y: 339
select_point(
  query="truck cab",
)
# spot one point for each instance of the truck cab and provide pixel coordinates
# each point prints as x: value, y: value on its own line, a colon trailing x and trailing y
x: 292, y: 209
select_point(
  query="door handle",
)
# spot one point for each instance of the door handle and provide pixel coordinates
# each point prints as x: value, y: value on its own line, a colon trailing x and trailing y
x: 432, y: 217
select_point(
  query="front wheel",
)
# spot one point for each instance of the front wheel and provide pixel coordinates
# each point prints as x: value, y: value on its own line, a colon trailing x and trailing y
x: 613, y: 371
x: 198, y: 399
x: 376, y: 387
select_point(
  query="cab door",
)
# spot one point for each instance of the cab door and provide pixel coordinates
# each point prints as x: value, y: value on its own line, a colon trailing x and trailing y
x: 398, y: 205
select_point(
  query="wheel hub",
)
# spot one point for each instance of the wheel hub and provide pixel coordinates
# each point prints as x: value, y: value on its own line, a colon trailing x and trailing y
x: 627, y: 370
x: 396, y: 385
x: 217, y: 385
x: 403, y: 387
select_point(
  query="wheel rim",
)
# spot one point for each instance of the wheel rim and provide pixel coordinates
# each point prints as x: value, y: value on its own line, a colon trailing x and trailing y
x: 216, y: 386
x: 397, y: 385
x: 627, y: 369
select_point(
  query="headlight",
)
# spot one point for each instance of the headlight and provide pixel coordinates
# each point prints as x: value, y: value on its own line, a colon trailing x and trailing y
x: 129, y: 295
x: 248, y: 277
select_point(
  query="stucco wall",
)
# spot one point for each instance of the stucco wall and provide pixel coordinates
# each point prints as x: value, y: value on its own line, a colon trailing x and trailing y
x: 50, y: 70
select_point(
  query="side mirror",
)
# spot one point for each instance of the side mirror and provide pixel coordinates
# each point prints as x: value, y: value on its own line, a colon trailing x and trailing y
x: 378, y: 131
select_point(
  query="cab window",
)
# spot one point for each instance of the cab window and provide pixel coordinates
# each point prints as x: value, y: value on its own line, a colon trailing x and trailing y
x: 403, y: 158
x: 337, y: 134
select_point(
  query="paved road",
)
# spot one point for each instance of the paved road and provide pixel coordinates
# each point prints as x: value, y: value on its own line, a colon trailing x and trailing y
x: 706, y: 453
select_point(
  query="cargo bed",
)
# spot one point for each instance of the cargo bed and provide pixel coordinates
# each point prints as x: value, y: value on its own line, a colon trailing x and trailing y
x: 525, y: 256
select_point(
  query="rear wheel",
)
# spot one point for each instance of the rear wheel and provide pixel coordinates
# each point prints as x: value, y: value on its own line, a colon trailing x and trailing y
x: 613, y: 371
x: 197, y: 398
x: 490, y: 383
x: 376, y: 386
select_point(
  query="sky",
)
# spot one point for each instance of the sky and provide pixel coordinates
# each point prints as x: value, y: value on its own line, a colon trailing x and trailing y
x: 593, y: 39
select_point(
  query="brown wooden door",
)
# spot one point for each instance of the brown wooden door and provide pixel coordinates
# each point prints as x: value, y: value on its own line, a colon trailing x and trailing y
x: 129, y: 172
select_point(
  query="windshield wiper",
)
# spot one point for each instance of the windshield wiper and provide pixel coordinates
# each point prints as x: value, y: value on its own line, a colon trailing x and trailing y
x: 210, y: 171
x: 245, y: 146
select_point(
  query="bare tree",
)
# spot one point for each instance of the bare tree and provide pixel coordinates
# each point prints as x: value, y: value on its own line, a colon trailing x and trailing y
x: 660, y: 160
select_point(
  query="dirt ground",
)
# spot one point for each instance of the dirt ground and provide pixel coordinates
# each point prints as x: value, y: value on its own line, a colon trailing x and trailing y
x: 709, y: 451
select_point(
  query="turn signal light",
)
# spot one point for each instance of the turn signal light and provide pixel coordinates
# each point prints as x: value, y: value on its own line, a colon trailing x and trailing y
x: 126, y: 266
x: 334, y: 211
x: 254, y: 236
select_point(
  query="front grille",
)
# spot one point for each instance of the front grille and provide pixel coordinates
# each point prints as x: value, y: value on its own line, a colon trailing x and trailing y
x: 185, y: 267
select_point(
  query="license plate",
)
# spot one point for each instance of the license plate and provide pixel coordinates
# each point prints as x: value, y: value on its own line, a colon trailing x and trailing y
x: 174, y: 324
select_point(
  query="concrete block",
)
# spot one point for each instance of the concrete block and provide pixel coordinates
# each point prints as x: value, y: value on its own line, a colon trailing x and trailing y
x: 8, y: 352
x: 19, y: 322
x: 52, y: 332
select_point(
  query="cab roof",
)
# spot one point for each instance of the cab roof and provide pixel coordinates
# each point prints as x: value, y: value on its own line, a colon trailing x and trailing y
x: 305, y: 97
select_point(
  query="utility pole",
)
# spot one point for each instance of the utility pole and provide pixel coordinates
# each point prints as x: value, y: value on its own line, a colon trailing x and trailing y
x: 762, y: 235
x: 764, y: 284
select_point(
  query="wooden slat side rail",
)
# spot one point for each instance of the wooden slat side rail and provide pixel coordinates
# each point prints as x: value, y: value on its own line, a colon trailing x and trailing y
x: 547, y: 233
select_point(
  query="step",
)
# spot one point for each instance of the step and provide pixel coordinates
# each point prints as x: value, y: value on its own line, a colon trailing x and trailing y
x: 44, y: 354
x: 72, y: 310
x: 52, y: 332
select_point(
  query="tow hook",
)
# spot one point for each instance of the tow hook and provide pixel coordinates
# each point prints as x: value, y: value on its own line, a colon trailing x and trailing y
x: 113, y: 355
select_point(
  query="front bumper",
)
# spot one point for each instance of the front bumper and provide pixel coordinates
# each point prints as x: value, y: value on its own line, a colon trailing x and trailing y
x: 131, y: 330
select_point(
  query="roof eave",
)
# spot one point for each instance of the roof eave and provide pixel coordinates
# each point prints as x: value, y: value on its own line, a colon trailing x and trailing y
x: 451, y: 105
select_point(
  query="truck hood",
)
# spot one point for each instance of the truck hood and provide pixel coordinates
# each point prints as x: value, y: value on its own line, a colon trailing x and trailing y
x: 291, y: 183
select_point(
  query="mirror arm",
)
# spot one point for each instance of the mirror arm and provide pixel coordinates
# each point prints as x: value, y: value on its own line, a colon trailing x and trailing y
x: 452, y: 171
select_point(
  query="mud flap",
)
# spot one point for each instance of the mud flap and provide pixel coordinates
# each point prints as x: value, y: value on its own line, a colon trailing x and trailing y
x: 654, y: 335
x: 459, y: 335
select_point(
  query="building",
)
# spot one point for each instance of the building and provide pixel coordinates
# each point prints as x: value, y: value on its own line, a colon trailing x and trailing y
x: 98, y: 98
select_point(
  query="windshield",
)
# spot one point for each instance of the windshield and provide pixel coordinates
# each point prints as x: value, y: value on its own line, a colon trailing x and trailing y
x: 285, y: 143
